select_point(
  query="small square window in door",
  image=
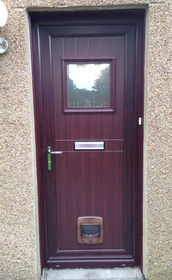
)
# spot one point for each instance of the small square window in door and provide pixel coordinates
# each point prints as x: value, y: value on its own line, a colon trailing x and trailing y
x: 90, y: 230
x: 89, y: 85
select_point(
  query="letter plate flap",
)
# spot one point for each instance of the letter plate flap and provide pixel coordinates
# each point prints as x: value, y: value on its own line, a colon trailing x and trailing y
x: 89, y: 145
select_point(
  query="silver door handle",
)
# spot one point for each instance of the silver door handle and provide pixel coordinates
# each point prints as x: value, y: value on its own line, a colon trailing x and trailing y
x: 53, y: 152
x: 49, y: 153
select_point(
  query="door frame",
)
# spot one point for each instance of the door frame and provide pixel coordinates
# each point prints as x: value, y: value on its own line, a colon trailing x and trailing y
x: 137, y: 17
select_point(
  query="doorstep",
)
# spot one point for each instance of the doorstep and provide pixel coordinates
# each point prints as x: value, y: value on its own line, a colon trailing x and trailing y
x: 126, y: 273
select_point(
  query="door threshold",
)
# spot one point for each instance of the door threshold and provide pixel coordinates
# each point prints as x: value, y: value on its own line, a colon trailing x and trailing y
x: 126, y: 273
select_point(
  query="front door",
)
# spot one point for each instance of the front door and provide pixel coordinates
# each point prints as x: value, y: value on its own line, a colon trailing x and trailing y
x: 88, y: 112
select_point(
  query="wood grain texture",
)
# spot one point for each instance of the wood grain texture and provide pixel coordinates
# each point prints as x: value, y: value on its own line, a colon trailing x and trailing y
x: 104, y: 183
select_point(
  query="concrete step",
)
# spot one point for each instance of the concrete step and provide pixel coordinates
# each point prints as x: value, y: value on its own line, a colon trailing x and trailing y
x: 125, y: 273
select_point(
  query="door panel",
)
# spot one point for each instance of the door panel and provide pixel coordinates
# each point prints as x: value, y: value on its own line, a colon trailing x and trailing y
x: 89, y: 178
x: 88, y: 182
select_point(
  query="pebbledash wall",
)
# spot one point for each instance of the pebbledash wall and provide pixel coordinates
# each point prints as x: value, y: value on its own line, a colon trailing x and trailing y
x: 19, y: 237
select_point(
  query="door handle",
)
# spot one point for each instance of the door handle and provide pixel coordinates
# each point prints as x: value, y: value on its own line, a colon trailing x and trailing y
x: 49, y: 153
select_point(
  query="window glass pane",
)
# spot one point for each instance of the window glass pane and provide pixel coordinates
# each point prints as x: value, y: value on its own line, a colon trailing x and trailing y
x: 88, y: 85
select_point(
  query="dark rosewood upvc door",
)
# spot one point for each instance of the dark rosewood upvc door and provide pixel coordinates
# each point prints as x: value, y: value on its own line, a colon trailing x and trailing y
x: 88, y: 76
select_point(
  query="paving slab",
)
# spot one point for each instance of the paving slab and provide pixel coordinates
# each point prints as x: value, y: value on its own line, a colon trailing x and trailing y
x: 126, y: 273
